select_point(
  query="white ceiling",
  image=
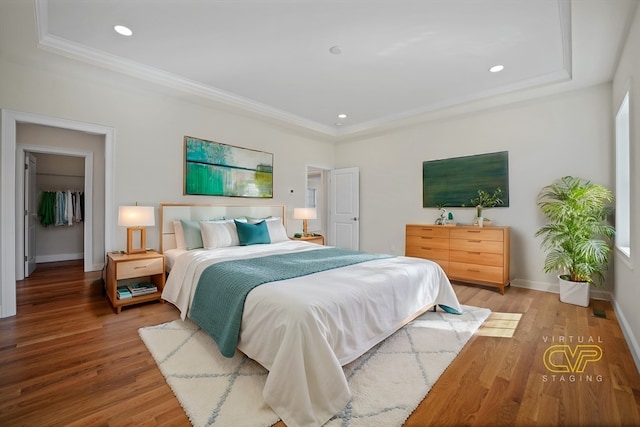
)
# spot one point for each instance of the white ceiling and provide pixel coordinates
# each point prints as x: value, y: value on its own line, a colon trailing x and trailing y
x: 399, y: 58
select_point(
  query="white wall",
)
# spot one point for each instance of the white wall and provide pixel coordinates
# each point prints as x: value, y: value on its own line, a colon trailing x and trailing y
x: 150, y: 123
x: 569, y: 134
x: 627, y: 284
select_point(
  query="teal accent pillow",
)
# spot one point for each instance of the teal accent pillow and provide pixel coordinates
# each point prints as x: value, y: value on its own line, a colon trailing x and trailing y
x: 192, y: 234
x: 252, y: 234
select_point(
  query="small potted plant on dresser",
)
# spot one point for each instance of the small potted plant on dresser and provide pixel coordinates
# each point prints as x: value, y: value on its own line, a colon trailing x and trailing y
x: 577, y: 237
x: 486, y: 200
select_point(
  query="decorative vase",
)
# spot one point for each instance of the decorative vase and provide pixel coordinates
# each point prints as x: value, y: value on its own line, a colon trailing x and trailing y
x: 576, y: 293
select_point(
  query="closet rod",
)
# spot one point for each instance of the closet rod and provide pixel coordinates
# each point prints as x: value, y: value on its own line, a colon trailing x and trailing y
x: 59, y: 174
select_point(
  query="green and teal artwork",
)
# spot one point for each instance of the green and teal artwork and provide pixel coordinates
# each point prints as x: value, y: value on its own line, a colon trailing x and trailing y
x: 455, y: 181
x: 215, y: 169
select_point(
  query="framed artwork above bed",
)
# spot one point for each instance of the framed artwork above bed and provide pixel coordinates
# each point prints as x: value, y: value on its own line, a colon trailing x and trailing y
x: 215, y: 169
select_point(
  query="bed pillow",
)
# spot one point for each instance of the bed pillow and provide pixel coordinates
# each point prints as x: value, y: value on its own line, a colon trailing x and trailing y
x: 191, y: 235
x: 219, y: 234
x: 179, y: 235
x: 252, y: 234
x: 277, y: 232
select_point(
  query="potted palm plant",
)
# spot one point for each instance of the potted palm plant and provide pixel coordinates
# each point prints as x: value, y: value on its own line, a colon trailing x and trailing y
x: 577, y: 237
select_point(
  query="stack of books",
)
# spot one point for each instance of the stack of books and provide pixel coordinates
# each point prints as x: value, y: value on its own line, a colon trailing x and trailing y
x: 139, y: 289
x: 123, y: 293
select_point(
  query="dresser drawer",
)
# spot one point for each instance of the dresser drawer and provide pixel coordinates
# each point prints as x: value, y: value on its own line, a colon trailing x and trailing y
x: 428, y: 253
x: 478, y: 233
x: 482, y: 258
x: 139, y: 268
x: 475, y: 273
x: 476, y: 245
x: 442, y: 263
x: 428, y: 231
x: 427, y: 242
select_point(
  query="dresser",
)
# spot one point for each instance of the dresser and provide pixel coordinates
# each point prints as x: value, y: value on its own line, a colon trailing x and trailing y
x: 466, y: 253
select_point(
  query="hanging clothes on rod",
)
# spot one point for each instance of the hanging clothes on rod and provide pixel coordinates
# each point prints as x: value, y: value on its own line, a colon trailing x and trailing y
x: 61, y: 207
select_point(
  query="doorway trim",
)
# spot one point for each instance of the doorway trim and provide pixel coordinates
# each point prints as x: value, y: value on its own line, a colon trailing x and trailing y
x: 87, y: 222
x: 8, y: 198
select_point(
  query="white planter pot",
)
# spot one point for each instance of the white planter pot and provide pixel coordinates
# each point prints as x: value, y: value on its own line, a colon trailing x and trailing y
x: 576, y: 293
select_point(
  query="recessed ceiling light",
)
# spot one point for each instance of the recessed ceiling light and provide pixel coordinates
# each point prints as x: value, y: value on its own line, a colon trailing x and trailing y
x: 342, y: 116
x: 122, y: 30
x: 496, y: 68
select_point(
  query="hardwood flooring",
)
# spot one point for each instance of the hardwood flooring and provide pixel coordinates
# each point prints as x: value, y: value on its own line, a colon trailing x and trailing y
x: 68, y: 359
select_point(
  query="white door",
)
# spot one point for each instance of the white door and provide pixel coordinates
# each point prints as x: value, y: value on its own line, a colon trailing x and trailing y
x: 31, y: 214
x: 344, y: 208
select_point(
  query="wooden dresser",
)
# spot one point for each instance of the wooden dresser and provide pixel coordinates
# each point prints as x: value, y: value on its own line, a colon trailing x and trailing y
x: 466, y: 253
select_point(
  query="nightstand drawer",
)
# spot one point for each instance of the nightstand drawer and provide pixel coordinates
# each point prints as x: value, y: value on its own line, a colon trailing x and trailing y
x: 139, y: 268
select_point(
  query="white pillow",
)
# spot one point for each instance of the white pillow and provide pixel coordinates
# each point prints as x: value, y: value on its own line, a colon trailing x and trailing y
x: 219, y: 234
x: 277, y: 232
x: 179, y: 234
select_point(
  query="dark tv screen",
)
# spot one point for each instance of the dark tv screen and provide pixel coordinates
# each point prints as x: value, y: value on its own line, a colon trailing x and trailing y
x: 454, y: 182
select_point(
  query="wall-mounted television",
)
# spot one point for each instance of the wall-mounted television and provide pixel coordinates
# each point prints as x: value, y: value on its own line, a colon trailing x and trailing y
x: 455, y: 181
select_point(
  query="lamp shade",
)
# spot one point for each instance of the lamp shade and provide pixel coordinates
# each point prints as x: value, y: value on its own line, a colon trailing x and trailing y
x: 304, y: 213
x: 136, y: 216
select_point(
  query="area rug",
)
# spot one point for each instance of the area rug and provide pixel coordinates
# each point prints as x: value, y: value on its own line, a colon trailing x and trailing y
x: 387, y: 383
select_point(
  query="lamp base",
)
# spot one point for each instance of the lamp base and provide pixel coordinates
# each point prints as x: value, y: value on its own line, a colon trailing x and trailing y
x: 305, y: 229
x: 142, y: 242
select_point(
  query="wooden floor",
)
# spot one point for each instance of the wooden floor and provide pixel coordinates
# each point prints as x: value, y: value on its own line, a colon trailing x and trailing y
x: 67, y: 359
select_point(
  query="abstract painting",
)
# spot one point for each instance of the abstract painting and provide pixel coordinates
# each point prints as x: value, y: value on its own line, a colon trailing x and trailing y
x: 215, y: 169
x: 454, y: 182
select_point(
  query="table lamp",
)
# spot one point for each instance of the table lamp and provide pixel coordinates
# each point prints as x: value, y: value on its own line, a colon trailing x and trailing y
x: 304, y: 214
x: 136, y: 218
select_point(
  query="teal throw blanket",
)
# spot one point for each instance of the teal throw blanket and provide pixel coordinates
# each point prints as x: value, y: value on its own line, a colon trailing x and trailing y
x: 223, y: 287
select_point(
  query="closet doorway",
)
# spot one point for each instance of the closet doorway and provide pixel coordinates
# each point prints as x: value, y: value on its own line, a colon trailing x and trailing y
x: 55, y: 207
x: 12, y: 193
x: 65, y: 159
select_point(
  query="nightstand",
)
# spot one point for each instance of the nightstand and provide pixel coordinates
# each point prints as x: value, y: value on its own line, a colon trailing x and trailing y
x: 125, y: 269
x: 318, y: 239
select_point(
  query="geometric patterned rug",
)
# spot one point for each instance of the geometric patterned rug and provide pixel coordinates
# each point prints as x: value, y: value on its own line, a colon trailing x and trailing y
x: 387, y: 383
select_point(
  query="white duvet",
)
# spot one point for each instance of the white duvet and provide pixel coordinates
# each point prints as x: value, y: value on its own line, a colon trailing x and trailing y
x: 304, y: 330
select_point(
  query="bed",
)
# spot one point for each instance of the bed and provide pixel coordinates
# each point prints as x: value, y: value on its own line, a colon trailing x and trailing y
x: 302, y: 329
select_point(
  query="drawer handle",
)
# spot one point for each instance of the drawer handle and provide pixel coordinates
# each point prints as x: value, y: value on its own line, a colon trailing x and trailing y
x: 427, y: 238
x: 474, y: 253
x: 473, y: 271
x: 142, y: 266
x: 473, y: 231
x: 426, y: 249
x: 474, y: 241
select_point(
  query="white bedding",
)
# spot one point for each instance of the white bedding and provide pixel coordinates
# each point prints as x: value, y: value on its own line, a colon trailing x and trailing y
x: 304, y: 329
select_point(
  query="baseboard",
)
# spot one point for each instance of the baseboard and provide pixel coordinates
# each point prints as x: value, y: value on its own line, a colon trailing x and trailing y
x: 59, y: 257
x: 555, y: 288
x: 633, y: 344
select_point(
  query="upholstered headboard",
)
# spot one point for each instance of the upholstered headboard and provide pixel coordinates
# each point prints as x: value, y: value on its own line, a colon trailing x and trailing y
x: 170, y: 212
